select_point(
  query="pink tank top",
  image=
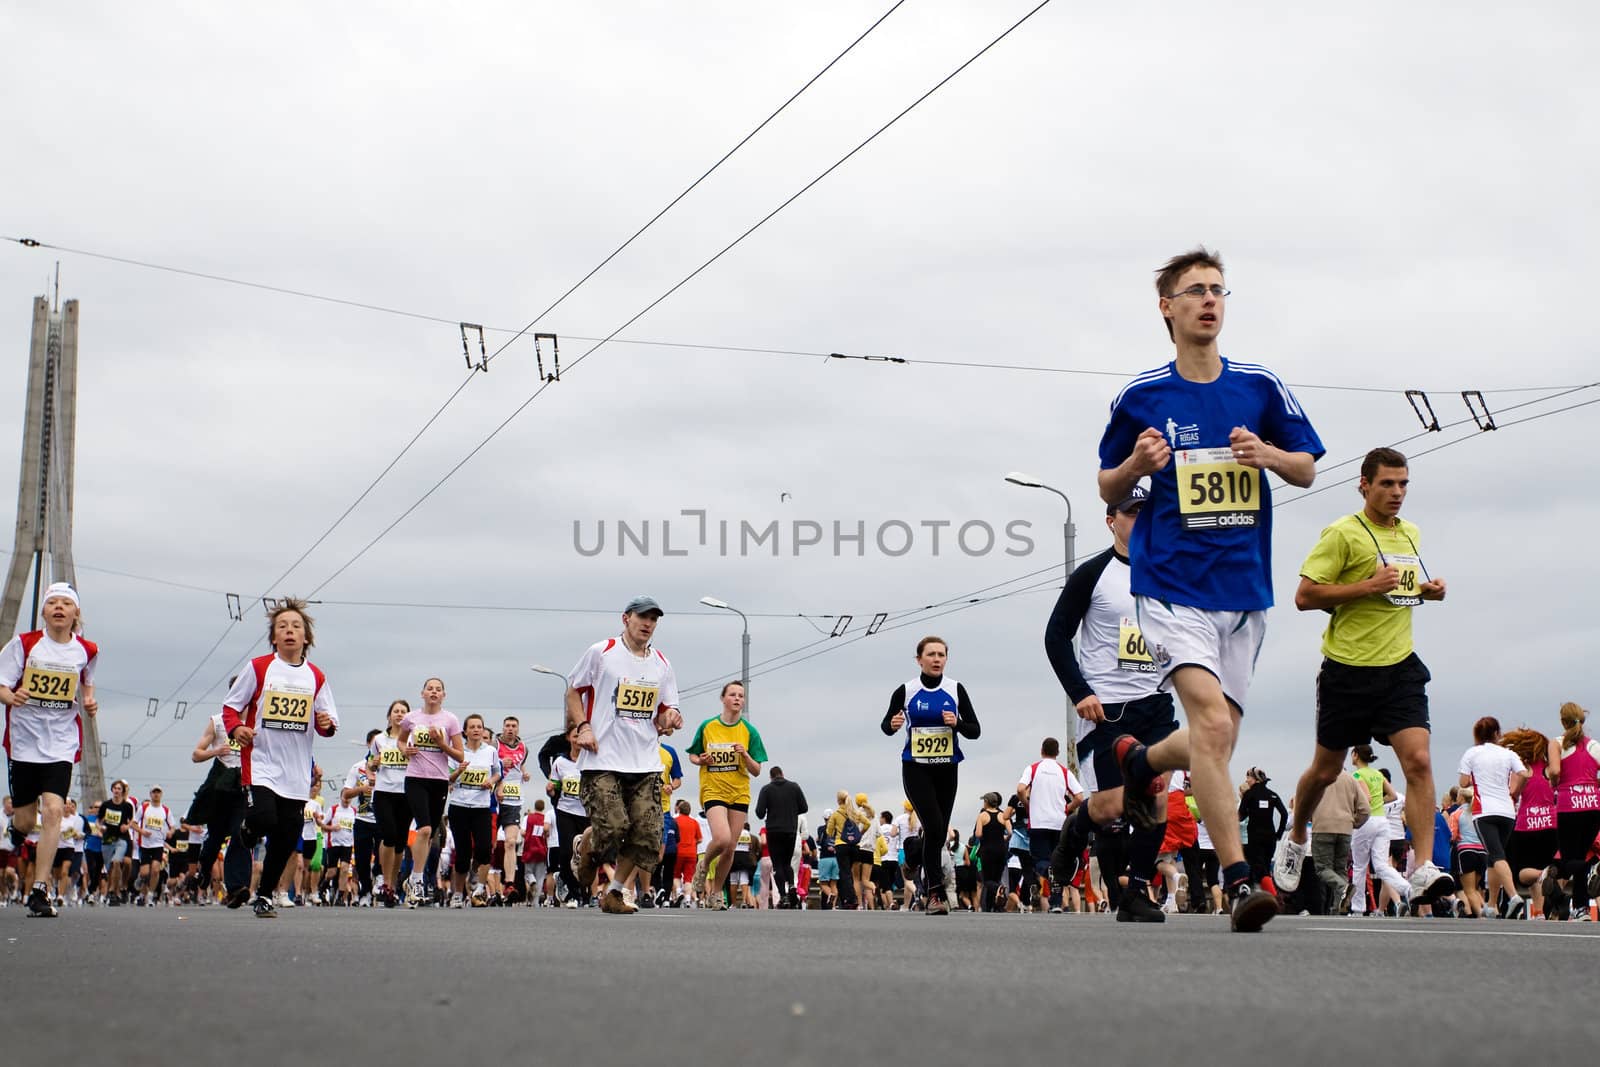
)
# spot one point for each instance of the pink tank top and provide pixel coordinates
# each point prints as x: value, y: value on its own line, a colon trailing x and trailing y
x: 1577, y: 789
x: 1536, y: 808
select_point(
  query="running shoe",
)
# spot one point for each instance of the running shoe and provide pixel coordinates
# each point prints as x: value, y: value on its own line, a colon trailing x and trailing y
x: 480, y: 896
x: 1252, y: 908
x: 573, y: 904
x: 414, y: 891
x: 1428, y: 883
x: 1579, y: 914
x: 39, y: 906
x: 237, y: 898
x: 937, y: 907
x: 457, y: 901
x: 1141, y: 798
x: 1289, y: 859
x: 1517, y: 909
x: 612, y: 902
x: 1137, y: 907
x: 264, y: 909
x: 388, y: 898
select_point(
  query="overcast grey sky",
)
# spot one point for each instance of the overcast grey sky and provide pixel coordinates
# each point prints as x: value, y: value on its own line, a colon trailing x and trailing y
x: 1403, y: 195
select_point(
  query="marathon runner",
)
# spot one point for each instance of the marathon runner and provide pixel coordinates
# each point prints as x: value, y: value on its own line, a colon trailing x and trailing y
x: 1114, y: 683
x: 390, y: 808
x: 116, y: 826
x: 218, y: 804
x: 156, y: 825
x: 566, y: 793
x: 360, y: 782
x: 932, y: 708
x: 622, y: 696
x: 1366, y: 571
x: 427, y: 737
x: 473, y: 781
x: 1205, y: 430
x: 46, y: 684
x: 271, y: 711
x: 729, y: 752
x: 513, y: 762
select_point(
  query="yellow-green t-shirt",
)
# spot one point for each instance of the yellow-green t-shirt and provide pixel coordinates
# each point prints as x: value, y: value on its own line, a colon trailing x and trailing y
x: 725, y: 777
x: 1372, y: 782
x: 1374, y: 631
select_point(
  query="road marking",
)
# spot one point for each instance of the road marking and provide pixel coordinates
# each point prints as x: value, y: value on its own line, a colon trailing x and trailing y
x: 1435, y: 933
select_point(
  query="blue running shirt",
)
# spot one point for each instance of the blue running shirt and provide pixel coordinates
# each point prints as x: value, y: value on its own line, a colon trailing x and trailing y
x: 1204, y: 538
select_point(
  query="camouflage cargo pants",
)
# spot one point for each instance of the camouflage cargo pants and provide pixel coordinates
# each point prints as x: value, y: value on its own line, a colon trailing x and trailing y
x: 624, y: 814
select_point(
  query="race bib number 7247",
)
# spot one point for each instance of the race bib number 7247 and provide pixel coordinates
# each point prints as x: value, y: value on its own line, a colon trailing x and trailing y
x: 1214, y: 492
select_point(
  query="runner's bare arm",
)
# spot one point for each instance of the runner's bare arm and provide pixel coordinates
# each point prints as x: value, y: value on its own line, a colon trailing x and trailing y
x: 1317, y: 596
x: 1151, y: 453
x: 1297, y: 468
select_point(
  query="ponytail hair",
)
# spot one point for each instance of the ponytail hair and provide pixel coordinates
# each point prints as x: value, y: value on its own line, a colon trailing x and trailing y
x: 1572, y: 718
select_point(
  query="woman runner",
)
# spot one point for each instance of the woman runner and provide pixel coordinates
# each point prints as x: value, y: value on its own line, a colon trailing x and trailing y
x: 1575, y: 757
x: 932, y: 709
x: 389, y: 805
x: 729, y: 752
x: 472, y: 783
x: 427, y: 737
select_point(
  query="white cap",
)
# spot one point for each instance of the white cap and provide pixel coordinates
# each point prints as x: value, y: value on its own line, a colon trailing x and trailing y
x: 62, y: 589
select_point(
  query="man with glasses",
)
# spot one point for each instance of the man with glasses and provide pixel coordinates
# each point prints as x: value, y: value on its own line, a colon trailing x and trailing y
x: 1201, y: 552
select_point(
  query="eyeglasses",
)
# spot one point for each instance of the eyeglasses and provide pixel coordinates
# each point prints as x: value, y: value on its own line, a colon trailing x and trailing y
x: 1201, y: 290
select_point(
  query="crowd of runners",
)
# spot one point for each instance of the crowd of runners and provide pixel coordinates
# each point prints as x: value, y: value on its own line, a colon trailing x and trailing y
x: 445, y: 811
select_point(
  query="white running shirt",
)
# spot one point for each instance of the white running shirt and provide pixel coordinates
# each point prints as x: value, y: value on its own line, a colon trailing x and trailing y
x: 621, y: 693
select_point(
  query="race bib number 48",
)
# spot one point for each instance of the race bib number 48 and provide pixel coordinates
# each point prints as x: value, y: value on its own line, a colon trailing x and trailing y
x: 51, y: 687
x: 285, y: 710
x: 1408, y: 593
x: 1214, y: 492
x: 635, y: 700
x: 721, y: 757
x: 932, y: 744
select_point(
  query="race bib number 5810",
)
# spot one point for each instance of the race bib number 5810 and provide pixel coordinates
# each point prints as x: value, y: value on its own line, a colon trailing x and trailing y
x: 1214, y: 492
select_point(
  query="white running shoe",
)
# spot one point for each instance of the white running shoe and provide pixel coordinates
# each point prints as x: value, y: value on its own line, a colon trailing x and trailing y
x: 457, y: 900
x: 1429, y: 883
x: 1287, y: 861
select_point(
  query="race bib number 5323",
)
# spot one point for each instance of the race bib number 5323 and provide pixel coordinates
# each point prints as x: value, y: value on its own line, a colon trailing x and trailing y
x: 285, y: 710
x: 1214, y: 492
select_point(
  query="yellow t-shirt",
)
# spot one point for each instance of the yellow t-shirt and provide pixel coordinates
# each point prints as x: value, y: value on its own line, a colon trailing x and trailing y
x: 725, y: 777
x: 1374, y: 631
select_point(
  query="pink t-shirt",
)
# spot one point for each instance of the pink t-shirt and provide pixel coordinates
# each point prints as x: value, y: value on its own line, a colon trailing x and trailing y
x: 1577, y: 789
x: 428, y: 733
x: 1536, y: 807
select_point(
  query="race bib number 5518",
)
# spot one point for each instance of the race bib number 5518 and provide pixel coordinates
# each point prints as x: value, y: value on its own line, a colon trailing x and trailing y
x: 636, y: 700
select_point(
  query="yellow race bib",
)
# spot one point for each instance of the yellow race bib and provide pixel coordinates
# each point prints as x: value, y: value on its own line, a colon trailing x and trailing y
x: 1132, y: 654
x: 475, y: 778
x: 636, y: 700
x: 51, y: 686
x: 720, y: 758
x: 425, y: 738
x: 511, y: 792
x: 394, y: 757
x: 569, y: 787
x: 1214, y: 492
x: 932, y: 744
x: 1408, y: 594
x: 285, y: 710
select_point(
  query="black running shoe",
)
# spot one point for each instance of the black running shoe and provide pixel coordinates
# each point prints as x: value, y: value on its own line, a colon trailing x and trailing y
x: 1252, y: 909
x: 39, y: 906
x: 236, y: 899
x: 1068, y: 855
x: 264, y: 909
x: 1143, y: 799
x: 1136, y: 907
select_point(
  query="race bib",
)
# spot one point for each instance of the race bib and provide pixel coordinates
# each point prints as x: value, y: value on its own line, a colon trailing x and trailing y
x: 1214, y: 492
x: 155, y: 823
x: 347, y: 821
x: 285, y: 710
x: 569, y: 787
x: 512, y: 792
x: 394, y: 757
x: 932, y: 744
x: 1132, y: 654
x: 235, y: 746
x: 720, y: 757
x: 635, y: 700
x: 425, y: 738
x: 180, y: 846
x: 1408, y: 593
x: 113, y: 818
x: 475, y: 778
x: 52, y: 686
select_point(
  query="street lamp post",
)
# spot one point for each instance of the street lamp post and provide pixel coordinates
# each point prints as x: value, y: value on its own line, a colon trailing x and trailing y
x: 744, y: 643
x: 539, y: 668
x: 1070, y: 537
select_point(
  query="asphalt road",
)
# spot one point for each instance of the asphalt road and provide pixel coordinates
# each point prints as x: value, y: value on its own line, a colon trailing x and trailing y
x: 775, y: 988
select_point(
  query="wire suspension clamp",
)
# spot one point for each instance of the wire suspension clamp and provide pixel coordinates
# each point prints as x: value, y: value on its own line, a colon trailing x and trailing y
x: 1480, y: 409
x: 841, y: 625
x: 1430, y: 421
x: 877, y: 622
x: 235, y: 608
x: 555, y: 356
x: 466, y: 350
x: 150, y: 709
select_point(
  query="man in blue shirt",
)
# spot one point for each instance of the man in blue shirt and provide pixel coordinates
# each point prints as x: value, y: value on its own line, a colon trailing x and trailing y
x: 1205, y: 430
